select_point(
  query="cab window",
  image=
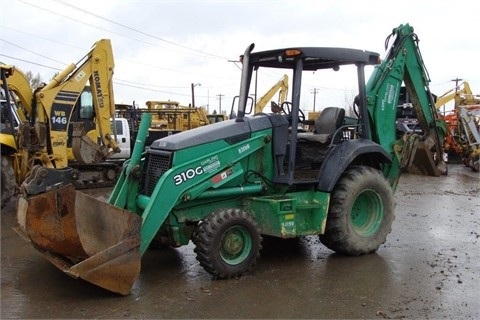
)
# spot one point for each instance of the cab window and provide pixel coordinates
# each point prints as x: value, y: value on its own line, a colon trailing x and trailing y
x: 86, y: 105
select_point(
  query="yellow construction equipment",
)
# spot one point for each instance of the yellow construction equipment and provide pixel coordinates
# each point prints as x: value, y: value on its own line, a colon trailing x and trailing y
x: 282, y: 87
x: 65, y: 132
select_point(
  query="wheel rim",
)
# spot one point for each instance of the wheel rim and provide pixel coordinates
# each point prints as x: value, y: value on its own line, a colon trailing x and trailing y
x: 367, y: 213
x: 235, y: 245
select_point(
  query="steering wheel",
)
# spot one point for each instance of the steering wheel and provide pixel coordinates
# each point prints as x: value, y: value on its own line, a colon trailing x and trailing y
x: 356, y: 105
x: 287, y: 110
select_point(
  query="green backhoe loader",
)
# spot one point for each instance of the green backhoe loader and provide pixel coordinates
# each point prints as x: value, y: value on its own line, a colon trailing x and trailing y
x: 226, y: 185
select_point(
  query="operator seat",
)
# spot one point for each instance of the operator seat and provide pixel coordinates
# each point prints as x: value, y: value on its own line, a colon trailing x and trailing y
x: 326, y: 125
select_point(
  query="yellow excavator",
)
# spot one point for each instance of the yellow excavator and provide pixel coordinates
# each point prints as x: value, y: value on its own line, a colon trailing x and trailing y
x: 64, y: 132
x: 461, y: 94
x: 282, y: 87
x: 259, y: 107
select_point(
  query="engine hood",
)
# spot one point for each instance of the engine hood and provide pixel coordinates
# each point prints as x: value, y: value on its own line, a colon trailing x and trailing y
x: 213, y: 132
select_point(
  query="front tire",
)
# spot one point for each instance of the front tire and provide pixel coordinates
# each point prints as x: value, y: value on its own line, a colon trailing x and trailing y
x: 361, y: 212
x: 7, y: 180
x: 228, y: 243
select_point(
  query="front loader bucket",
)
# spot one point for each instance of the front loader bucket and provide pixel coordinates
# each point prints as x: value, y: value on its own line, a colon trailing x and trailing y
x: 84, y: 237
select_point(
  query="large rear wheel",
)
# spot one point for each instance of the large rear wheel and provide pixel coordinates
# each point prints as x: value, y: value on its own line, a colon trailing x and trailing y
x: 228, y: 243
x: 7, y: 180
x: 361, y: 212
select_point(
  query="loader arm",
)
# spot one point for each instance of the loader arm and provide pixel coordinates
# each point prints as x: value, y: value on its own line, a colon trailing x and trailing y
x: 186, y: 182
x: 404, y: 63
x: 56, y: 102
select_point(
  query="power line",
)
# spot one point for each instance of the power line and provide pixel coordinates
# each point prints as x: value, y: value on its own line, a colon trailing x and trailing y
x: 30, y: 62
x: 126, y: 83
x: 155, y: 86
x: 133, y: 84
x: 20, y: 47
x: 43, y: 38
x: 120, y: 34
x: 206, y: 55
x: 122, y: 25
x: 130, y: 61
x: 119, y: 82
x: 92, y: 26
x: 141, y: 32
x: 76, y: 47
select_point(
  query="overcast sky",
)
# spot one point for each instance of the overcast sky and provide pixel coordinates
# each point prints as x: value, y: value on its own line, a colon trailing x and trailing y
x: 161, y: 47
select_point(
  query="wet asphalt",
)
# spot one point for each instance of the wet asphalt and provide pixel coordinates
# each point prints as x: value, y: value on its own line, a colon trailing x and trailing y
x: 429, y: 268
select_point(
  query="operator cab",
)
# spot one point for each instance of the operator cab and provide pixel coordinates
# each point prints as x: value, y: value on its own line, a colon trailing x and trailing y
x: 299, y: 156
x: 8, y: 115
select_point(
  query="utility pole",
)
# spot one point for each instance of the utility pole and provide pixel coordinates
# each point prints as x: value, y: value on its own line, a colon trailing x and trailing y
x: 456, y: 80
x: 220, y: 103
x: 193, y: 93
x: 315, y: 90
x: 208, y: 101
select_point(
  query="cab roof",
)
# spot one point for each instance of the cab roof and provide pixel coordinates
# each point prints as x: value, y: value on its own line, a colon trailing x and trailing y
x: 314, y: 58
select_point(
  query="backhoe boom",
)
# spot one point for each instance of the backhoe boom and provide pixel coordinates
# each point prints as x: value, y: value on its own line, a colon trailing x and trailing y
x: 404, y: 64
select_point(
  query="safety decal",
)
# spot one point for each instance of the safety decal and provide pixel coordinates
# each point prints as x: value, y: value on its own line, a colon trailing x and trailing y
x: 222, y: 176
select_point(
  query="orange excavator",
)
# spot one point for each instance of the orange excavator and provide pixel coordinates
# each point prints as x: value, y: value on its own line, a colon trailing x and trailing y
x: 463, y: 137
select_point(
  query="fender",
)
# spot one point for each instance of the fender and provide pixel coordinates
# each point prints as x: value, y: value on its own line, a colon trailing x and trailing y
x: 344, y: 154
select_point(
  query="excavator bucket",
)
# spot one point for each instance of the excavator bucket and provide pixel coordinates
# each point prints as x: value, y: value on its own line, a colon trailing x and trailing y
x: 422, y: 162
x: 85, y: 237
x: 419, y: 156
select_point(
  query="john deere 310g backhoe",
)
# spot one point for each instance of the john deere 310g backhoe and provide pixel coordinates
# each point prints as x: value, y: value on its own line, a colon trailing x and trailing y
x: 225, y: 185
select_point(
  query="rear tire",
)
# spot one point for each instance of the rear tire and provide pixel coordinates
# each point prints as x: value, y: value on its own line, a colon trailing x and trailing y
x: 228, y: 243
x: 361, y: 212
x: 7, y: 180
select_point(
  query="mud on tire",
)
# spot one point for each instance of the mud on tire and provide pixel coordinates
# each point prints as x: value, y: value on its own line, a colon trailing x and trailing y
x: 361, y: 212
x: 227, y: 243
x: 7, y: 180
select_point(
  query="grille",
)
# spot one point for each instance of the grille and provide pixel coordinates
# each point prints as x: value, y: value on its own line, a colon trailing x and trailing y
x: 156, y: 164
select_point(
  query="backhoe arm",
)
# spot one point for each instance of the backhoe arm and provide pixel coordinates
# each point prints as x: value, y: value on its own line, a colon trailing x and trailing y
x: 56, y: 102
x: 404, y: 63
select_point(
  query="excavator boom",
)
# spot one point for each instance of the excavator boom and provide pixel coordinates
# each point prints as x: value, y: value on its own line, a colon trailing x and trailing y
x: 56, y: 102
x: 282, y: 87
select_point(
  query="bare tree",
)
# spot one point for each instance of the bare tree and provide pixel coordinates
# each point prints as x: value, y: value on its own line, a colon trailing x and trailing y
x: 35, y: 81
x: 348, y: 103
